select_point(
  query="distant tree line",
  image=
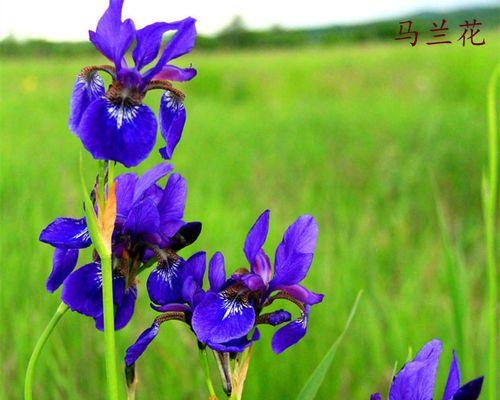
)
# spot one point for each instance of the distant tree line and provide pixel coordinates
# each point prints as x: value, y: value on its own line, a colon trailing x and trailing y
x: 236, y: 35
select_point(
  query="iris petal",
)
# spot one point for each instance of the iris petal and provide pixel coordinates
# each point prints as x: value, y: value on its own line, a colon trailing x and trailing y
x: 63, y: 262
x: 123, y: 133
x: 216, y: 272
x: 165, y: 283
x: 470, y: 391
x: 289, y: 334
x: 235, y: 345
x: 149, y: 178
x: 149, y: 41
x: 143, y: 218
x: 453, y: 381
x: 125, y: 185
x: 219, y: 319
x: 86, y: 89
x: 172, y: 120
x: 256, y: 237
x: 176, y: 74
x: 417, y: 378
x: 140, y: 345
x: 66, y: 232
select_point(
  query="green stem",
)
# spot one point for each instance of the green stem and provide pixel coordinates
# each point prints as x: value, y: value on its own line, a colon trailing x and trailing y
x: 206, y: 369
x: 490, y: 205
x: 28, y: 383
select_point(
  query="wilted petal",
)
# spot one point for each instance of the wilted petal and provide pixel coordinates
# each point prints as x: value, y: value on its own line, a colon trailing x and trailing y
x: 216, y: 272
x: 112, y: 36
x: 63, y: 262
x: 173, y: 73
x: 172, y: 120
x: 453, y: 381
x: 140, y: 345
x: 235, y: 345
x: 417, y: 378
x: 87, y: 88
x: 256, y: 237
x: 123, y: 133
x: 149, y: 178
x: 143, y: 218
x: 165, y: 282
x: 66, y: 232
x: 220, y: 318
x: 295, y: 252
x: 470, y: 391
x: 289, y: 334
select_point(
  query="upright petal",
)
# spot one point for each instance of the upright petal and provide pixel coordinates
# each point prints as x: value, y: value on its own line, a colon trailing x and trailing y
x: 63, y: 263
x: 195, y: 267
x: 172, y: 120
x: 87, y: 88
x: 150, y: 177
x: 165, y: 282
x: 123, y: 133
x: 113, y: 37
x: 140, y: 345
x: 125, y: 186
x: 453, y: 381
x: 143, y: 218
x: 417, y: 378
x: 220, y: 318
x: 216, y: 272
x: 470, y: 391
x: 295, y: 253
x: 69, y: 233
x: 256, y: 237
x: 149, y: 41
x: 181, y: 43
x: 176, y: 74
x: 289, y: 334
x: 173, y: 201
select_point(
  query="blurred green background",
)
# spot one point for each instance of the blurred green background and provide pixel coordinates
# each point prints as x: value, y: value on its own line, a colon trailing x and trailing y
x: 366, y: 137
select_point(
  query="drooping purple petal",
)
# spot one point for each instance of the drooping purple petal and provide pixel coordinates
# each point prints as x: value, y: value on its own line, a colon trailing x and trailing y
x: 181, y: 43
x: 219, y: 318
x: 176, y: 74
x: 82, y: 290
x: 278, y: 317
x: 172, y: 120
x: 470, y: 391
x: 63, y: 262
x: 295, y: 252
x: 186, y: 235
x: 302, y: 294
x: 289, y: 334
x: 140, y: 345
x: 216, y: 272
x: 143, y: 218
x: 123, y: 133
x: 235, y: 345
x: 256, y: 237
x: 123, y: 311
x: 149, y: 41
x: 453, y: 381
x: 125, y: 185
x: 417, y: 378
x: 165, y: 282
x: 149, y: 178
x: 86, y: 89
x: 66, y: 232
x: 113, y: 37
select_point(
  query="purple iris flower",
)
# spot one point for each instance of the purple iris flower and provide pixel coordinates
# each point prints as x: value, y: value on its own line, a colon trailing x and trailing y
x: 191, y: 273
x: 234, y: 306
x: 148, y: 229
x: 417, y: 378
x: 115, y: 124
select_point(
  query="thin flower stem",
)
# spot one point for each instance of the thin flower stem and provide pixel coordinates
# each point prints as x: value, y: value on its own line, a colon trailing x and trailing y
x: 490, y: 206
x: 28, y: 383
x: 206, y: 369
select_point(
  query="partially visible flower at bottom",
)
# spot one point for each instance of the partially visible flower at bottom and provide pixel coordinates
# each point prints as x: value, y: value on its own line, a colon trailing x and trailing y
x: 416, y: 380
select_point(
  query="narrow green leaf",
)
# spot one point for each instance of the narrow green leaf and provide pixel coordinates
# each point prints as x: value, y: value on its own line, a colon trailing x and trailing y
x: 316, y: 379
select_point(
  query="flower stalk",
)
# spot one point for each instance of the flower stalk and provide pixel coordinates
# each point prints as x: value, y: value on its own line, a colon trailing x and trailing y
x: 206, y: 370
x: 28, y: 383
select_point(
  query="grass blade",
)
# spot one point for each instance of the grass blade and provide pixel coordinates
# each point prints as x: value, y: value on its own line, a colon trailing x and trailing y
x: 314, y: 382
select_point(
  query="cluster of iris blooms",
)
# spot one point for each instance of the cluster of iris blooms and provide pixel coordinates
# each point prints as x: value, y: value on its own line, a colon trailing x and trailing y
x: 149, y: 230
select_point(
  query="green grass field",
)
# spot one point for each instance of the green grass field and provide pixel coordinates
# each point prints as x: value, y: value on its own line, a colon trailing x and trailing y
x: 363, y: 137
